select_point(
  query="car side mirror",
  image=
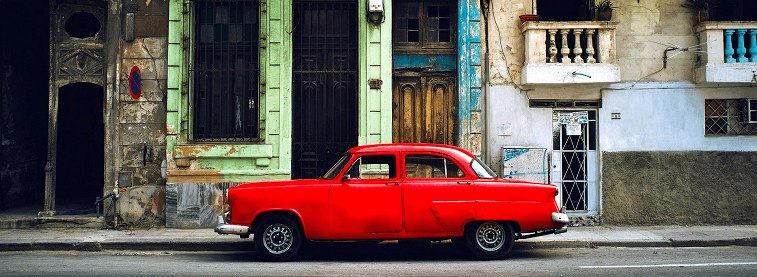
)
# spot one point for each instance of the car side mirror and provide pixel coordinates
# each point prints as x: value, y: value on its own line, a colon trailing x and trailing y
x: 346, y: 178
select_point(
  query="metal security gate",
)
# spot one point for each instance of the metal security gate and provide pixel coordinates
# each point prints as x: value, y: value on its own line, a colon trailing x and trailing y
x: 324, y: 95
x: 574, y: 160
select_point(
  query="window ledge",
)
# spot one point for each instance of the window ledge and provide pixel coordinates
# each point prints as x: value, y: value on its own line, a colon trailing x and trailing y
x: 223, y: 151
x: 726, y: 73
x: 569, y: 52
x: 555, y: 73
x: 728, y: 54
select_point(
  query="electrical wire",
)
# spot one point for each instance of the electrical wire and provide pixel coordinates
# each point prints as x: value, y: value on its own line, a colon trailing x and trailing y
x: 670, y: 47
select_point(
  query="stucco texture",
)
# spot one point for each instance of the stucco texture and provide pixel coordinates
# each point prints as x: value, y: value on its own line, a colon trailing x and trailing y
x: 679, y: 188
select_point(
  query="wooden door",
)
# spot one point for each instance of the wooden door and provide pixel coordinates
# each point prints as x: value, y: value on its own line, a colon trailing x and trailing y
x: 424, y: 109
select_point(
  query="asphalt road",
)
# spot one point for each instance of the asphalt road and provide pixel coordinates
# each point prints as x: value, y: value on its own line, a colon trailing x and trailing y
x: 392, y: 260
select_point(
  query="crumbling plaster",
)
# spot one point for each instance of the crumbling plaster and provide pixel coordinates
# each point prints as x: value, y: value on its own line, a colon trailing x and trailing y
x: 141, y: 122
x: 644, y: 27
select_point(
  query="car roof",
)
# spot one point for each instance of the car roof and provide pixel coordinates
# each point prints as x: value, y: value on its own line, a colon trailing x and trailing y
x: 400, y: 147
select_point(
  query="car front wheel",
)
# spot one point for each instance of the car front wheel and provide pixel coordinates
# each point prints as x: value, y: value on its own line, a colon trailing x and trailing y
x: 489, y: 240
x: 278, y: 238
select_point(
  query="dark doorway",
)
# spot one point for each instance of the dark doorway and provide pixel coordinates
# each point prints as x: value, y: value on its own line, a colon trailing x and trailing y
x: 24, y: 75
x: 565, y: 10
x: 324, y: 86
x: 79, y: 172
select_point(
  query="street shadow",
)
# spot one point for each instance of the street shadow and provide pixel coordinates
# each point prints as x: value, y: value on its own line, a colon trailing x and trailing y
x: 385, y: 252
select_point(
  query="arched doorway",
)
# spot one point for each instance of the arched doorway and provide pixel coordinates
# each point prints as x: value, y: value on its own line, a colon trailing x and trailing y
x: 80, y: 144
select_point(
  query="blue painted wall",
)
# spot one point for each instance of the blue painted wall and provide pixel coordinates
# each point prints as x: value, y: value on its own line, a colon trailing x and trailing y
x: 470, y: 118
x: 439, y: 63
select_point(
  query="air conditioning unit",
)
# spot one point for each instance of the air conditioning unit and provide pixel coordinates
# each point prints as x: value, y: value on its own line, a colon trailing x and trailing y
x: 748, y: 109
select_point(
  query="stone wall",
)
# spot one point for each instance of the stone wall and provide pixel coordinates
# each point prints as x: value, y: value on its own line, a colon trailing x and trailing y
x: 195, y: 205
x: 141, y: 132
x: 681, y: 188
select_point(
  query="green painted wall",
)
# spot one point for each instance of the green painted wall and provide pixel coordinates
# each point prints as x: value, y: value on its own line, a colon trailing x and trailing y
x: 203, y: 162
x: 375, y: 51
x: 271, y: 158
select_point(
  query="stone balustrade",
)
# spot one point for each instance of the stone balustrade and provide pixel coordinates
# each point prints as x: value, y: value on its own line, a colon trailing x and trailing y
x: 569, y: 52
x: 729, y: 52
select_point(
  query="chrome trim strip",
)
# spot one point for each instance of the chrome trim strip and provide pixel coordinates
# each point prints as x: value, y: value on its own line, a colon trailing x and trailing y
x: 230, y: 229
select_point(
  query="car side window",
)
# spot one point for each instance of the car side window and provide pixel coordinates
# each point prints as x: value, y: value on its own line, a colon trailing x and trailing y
x: 430, y: 166
x: 373, y: 167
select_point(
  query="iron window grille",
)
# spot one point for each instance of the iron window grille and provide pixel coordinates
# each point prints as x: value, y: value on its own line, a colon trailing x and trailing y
x: 730, y: 117
x: 226, y: 70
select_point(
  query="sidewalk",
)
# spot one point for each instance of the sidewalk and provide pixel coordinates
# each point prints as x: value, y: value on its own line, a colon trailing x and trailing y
x: 83, y: 239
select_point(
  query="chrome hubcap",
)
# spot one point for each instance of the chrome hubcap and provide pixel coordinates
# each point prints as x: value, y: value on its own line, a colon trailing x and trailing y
x: 490, y: 236
x: 277, y: 238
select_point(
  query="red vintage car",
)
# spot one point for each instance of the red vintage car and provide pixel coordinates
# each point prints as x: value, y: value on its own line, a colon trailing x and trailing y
x: 395, y: 192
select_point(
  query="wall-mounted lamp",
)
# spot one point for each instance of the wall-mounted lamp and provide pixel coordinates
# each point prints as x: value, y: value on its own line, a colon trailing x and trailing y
x: 376, y: 11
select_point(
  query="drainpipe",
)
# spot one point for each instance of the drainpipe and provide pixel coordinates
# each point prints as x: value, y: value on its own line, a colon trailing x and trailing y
x: 485, y: 6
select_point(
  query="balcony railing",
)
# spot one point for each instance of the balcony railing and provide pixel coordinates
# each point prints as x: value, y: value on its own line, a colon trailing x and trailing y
x: 730, y: 52
x: 559, y: 52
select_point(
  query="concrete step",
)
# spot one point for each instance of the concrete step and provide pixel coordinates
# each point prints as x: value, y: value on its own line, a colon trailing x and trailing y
x: 63, y: 221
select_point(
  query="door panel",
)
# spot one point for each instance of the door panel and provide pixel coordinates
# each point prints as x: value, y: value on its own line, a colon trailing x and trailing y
x: 324, y: 85
x: 369, y: 200
x: 424, y: 109
x: 438, y: 196
x: 365, y: 206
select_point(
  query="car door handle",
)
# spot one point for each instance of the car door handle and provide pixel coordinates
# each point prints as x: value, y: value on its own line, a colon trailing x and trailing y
x: 463, y: 182
x: 392, y: 183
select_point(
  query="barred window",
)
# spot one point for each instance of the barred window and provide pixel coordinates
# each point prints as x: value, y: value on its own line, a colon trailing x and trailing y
x: 226, y: 70
x: 730, y: 117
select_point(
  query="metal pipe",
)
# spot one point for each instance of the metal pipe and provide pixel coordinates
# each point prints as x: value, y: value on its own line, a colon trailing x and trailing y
x: 113, y: 198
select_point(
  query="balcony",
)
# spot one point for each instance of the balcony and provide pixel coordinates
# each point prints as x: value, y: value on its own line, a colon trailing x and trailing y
x: 569, y: 52
x: 730, y: 52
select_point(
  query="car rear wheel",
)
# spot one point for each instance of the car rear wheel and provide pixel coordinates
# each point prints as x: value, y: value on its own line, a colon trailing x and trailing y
x: 489, y: 240
x: 278, y: 238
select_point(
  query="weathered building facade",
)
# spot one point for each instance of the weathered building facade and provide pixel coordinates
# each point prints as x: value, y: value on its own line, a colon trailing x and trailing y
x: 262, y: 90
x: 639, y: 120
x: 89, y: 133
x: 642, y: 119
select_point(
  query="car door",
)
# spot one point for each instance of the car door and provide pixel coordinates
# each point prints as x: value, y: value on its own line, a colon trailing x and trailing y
x: 369, y: 197
x: 438, y: 195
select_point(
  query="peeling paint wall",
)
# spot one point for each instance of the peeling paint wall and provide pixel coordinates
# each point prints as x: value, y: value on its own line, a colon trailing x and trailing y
x: 141, y: 122
x: 196, y: 170
x: 200, y: 171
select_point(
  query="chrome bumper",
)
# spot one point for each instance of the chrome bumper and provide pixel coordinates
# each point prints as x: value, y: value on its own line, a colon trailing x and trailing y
x: 230, y: 229
x: 560, y: 218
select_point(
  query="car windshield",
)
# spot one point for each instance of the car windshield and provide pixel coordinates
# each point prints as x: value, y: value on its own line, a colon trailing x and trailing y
x: 337, y: 167
x: 482, y: 170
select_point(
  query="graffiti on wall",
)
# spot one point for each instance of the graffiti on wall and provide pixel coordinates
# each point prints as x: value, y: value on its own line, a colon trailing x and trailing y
x: 525, y: 163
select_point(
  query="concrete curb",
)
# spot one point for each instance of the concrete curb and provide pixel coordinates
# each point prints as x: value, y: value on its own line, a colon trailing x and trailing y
x: 246, y: 245
x: 126, y: 245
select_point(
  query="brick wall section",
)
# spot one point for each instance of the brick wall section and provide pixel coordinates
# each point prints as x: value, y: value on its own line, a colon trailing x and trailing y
x: 681, y: 188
